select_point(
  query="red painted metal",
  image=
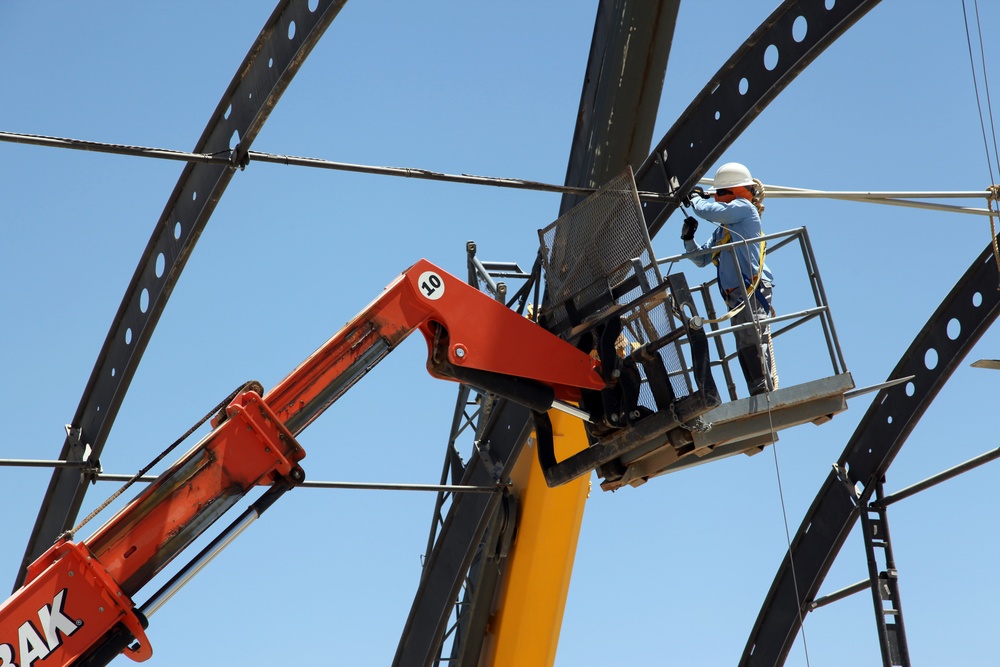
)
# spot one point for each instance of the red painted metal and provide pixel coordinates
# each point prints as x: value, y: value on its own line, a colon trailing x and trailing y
x: 482, y: 334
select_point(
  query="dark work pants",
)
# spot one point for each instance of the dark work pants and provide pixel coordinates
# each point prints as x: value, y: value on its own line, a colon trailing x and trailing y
x: 753, y: 347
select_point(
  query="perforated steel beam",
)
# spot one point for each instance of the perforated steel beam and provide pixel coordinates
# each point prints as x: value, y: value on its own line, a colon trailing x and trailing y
x: 784, y: 44
x: 974, y: 303
x: 274, y: 58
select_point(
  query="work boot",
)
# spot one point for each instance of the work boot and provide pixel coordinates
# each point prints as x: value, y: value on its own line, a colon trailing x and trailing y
x: 755, y: 370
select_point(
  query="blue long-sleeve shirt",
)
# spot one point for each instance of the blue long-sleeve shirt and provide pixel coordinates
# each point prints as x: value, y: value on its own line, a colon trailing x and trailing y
x: 738, y: 220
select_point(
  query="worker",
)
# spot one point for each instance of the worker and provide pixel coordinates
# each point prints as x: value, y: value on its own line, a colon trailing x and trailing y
x: 736, y: 211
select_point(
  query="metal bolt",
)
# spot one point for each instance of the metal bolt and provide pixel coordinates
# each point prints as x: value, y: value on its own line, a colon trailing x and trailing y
x: 100, y: 609
x: 634, y: 414
x: 616, y: 373
x: 614, y: 418
x: 71, y: 573
x: 79, y: 622
x: 460, y: 352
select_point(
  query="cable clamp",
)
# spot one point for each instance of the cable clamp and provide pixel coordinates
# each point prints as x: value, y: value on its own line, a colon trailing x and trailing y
x: 80, y: 451
x: 239, y: 157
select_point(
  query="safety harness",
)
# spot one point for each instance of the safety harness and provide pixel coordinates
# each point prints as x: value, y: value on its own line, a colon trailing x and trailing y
x: 753, y: 285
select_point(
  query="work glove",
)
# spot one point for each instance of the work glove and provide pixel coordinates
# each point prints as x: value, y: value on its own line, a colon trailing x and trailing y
x: 697, y: 191
x: 688, y: 229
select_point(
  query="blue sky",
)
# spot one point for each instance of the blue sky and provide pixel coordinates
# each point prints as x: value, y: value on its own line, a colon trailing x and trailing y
x: 670, y: 573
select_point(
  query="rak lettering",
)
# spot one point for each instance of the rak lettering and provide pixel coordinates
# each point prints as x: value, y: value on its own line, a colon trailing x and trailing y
x: 35, y: 641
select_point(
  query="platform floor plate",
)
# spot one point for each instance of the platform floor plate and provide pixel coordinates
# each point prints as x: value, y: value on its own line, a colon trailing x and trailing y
x: 745, y: 426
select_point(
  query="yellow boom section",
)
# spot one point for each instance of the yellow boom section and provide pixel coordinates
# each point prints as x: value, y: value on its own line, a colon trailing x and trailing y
x: 524, y: 630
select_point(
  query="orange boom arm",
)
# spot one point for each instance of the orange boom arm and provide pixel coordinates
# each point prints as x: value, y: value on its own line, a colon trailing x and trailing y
x: 76, y: 607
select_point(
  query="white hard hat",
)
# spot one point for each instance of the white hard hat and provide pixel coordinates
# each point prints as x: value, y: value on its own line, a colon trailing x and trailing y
x: 732, y: 175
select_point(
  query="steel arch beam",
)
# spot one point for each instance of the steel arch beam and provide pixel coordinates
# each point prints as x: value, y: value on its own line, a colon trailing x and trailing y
x: 738, y: 92
x: 621, y: 91
x: 276, y: 55
x: 932, y: 357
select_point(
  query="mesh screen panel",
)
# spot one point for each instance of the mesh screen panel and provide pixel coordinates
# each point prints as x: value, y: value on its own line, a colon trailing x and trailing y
x: 598, y: 255
x: 590, y: 249
x: 644, y: 323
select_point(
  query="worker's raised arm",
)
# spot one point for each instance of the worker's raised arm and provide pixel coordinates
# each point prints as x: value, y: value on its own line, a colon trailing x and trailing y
x: 724, y: 214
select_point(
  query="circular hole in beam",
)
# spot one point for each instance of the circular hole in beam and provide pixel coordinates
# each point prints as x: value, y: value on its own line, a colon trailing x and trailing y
x: 771, y: 57
x: 954, y: 328
x: 800, y: 28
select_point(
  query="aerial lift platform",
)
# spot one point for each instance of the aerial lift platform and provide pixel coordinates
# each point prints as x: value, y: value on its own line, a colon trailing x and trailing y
x: 747, y: 424
x: 603, y: 281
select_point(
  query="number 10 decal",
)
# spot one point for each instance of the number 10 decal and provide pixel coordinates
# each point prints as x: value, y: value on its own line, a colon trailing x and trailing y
x: 431, y: 285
